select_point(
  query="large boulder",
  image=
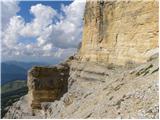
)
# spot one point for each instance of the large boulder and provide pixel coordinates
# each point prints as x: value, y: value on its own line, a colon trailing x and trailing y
x: 47, y: 84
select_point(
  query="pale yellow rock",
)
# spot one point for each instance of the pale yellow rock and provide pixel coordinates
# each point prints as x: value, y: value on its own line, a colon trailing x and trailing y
x: 118, y: 32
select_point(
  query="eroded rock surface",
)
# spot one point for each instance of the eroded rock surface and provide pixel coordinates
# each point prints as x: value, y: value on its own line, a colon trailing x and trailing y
x: 101, y: 91
x: 118, y: 31
x: 115, y: 74
x: 47, y: 84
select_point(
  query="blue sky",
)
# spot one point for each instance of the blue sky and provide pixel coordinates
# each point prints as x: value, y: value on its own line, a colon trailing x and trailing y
x: 26, y: 5
x: 42, y: 31
x: 28, y: 17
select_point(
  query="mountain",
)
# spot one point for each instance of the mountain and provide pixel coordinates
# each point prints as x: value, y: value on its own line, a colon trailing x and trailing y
x: 114, y: 75
x: 14, y: 70
x: 26, y: 65
x: 11, y: 92
x: 13, y: 85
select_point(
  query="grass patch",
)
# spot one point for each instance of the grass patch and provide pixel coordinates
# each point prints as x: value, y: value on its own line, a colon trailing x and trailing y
x: 12, y: 94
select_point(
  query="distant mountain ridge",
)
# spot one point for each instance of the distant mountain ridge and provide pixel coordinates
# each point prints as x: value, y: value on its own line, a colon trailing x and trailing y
x: 11, y: 92
x: 15, y: 70
x: 13, y: 85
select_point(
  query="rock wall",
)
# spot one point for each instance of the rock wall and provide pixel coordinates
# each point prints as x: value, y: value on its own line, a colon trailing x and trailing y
x: 47, y: 84
x: 120, y: 31
x: 97, y: 91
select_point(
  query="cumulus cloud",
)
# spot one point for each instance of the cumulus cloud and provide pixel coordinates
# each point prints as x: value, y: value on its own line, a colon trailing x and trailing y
x: 52, y: 38
x: 9, y: 8
x: 10, y: 35
x: 67, y: 32
x: 43, y: 18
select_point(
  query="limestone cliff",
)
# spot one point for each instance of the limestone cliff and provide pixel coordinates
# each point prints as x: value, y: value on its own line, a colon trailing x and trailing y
x: 114, y: 75
x: 120, y: 31
x: 47, y: 84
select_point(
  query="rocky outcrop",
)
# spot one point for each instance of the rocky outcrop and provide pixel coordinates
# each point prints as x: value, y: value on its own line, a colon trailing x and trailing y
x: 101, y: 91
x: 114, y: 75
x: 47, y: 84
x: 120, y: 31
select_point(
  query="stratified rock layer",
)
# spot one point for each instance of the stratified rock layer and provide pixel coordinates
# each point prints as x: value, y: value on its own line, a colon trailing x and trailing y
x: 120, y: 31
x: 101, y: 91
x: 47, y: 84
x: 115, y: 74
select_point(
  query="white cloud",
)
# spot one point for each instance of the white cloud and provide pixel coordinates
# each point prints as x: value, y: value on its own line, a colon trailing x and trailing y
x: 58, y: 39
x: 11, y: 33
x: 9, y: 8
x: 43, y: 18
x: 67, y: 32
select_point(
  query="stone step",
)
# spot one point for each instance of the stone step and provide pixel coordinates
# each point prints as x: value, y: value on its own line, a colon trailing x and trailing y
x: 89, y: 76
x: 84, y: 79
x: 90, y: 69
x: 93, y: 76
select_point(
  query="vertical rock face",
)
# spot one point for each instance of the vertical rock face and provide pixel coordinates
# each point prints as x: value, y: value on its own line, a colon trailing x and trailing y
x: 47, y: 84
x: 120, y: 31
x: 117, y: 32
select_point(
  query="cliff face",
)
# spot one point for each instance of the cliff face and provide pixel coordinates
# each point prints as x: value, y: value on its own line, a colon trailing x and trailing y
x: 100, y: 91
x: 120, y: 31
x: 47, y: 84
x: 124, y: 33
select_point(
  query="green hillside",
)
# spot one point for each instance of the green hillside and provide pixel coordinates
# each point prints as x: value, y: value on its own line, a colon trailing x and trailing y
x: 11, y: 92
x: 13, y: 85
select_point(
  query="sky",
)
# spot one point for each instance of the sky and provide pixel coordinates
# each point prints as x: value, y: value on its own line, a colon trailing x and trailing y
x: 42, y: 31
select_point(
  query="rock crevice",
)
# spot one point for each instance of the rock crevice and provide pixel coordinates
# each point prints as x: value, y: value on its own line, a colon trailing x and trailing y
x: 118, y: 31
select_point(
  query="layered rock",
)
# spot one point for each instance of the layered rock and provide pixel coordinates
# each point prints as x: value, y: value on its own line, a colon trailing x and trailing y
x: 115, y: 74
x: 101, y: 91
x: 120, y: 31
x: 47, y: 84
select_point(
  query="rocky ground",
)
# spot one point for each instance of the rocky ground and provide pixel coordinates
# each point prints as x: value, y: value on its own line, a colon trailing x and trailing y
x: 101, y: 91
x: 114, y: 33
